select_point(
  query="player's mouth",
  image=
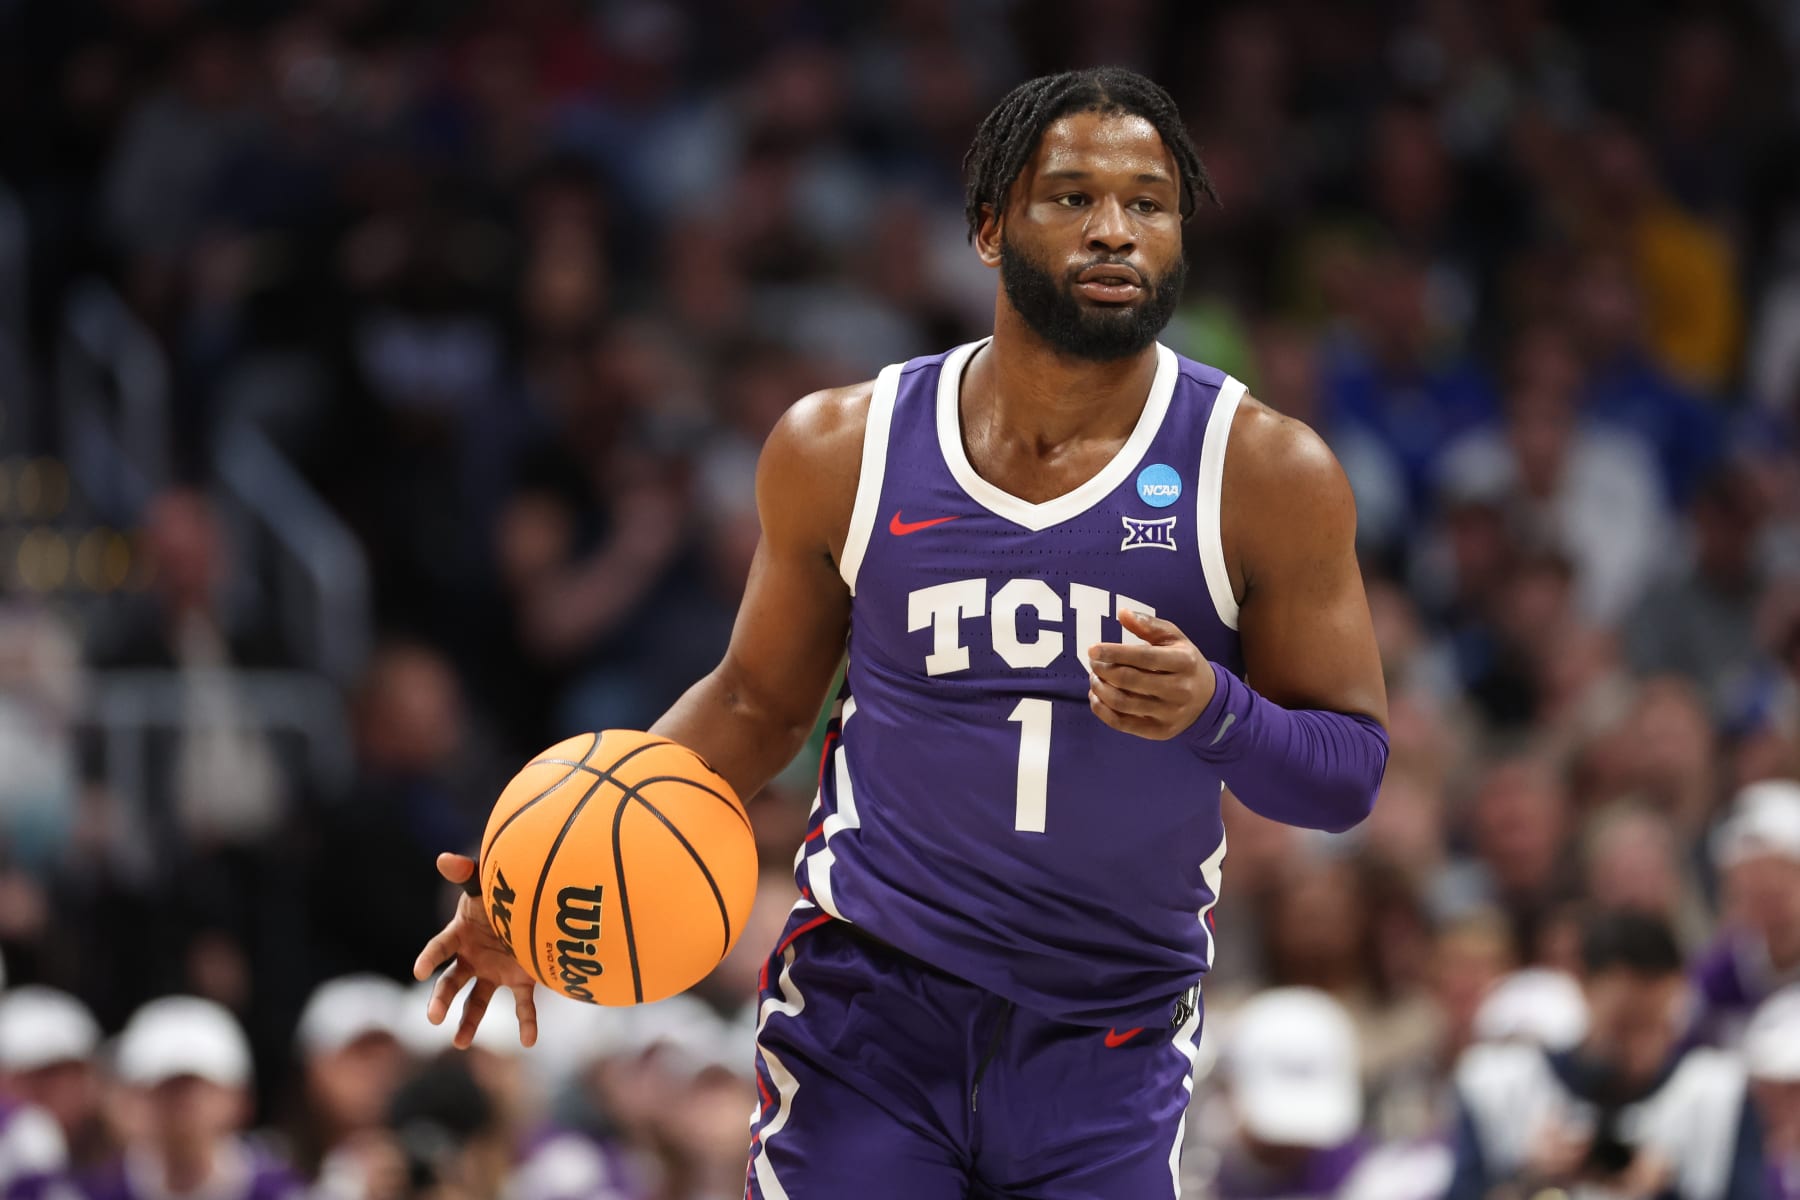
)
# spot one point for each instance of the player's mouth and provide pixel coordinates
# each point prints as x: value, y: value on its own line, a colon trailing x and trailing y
x: 1110, y: 283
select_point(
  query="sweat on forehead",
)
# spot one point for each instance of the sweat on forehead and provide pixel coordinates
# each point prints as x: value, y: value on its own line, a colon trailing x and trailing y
x: 1081, y: 144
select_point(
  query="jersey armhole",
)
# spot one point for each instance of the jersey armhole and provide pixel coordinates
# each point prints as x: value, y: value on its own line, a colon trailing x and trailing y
x: 874, y: 469
x: 1209, y: 533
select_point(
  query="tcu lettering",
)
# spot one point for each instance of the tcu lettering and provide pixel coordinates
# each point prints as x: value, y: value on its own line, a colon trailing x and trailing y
x: 945, y: 606
x: 500, y: 912
x: 578, y: 918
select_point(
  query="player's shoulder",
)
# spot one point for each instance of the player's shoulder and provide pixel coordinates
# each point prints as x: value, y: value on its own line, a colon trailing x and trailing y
x: 812, y: 461
x: 820, y: 436
x: 1281, y: 476
x: 1278, y: 449
x: 827, y: 418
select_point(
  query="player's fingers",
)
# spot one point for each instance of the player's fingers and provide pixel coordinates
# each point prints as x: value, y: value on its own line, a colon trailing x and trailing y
x: 438, y: 951
x: 1144, y: 657
x: 455, y: 867
x: 448, y: 984
x: 1129, y: 703
x: 1136, y: 679
x: 1123, y: 722
x: 1155, y: 630
x: 525, y: 1007
x: 474, y: 1008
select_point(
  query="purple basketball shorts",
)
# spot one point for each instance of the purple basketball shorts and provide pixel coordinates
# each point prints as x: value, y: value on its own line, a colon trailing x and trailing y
x: 882, y: 1078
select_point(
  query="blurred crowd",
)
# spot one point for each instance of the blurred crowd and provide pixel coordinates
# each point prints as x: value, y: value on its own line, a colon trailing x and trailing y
x: 516, y: 290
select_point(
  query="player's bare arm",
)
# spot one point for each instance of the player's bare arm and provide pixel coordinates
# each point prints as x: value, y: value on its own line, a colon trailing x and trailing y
x: 1288, y: 524
x: 1287, y: 528
x: 751, y: 714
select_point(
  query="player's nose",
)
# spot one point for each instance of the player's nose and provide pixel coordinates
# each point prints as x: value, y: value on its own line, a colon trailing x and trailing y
x: 1109, y: 230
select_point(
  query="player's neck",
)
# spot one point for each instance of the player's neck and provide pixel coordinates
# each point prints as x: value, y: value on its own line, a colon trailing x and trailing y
x: 1027, y: 388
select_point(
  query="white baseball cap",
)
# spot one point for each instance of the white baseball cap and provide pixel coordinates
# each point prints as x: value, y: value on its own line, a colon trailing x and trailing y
x: 1291, y: 1055
x: 1771, y: 1047
x: 183, y: 1035
x: 349, y: 1007
x: 40, y: 1026
x: 1537, y: 1005
x: 1765, y: 819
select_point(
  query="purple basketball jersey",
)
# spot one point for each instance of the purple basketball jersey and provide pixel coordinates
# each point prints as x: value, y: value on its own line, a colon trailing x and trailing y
x: 972, y: 810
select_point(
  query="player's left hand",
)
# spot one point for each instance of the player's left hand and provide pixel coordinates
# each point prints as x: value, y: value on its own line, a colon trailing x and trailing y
x: 1155, y: 690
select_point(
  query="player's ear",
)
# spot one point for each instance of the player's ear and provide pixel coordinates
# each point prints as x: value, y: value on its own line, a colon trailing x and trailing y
x: 988, y: 235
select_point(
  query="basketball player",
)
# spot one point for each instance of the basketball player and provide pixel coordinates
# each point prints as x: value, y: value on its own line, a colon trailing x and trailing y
x: 1084, y: 582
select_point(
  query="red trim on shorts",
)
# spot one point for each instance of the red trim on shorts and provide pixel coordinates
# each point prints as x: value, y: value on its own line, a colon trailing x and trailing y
x: 810, y: 925
x: 825, y: 753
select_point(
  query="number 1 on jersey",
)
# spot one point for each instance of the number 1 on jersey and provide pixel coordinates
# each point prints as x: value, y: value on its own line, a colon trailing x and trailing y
x: 1033, y: 717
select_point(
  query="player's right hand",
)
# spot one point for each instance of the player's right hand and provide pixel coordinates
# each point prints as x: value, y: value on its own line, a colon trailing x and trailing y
x: 468, y: 943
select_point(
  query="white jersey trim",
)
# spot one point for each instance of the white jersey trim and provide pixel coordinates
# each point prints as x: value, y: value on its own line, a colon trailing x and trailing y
x: 1211, y: 487
x: 866, y: 511
x: 791, y: 1004
x: 1070, y: 504
x: 1212, y: 873
x: 820, y: 862
x: 1187, y: 1044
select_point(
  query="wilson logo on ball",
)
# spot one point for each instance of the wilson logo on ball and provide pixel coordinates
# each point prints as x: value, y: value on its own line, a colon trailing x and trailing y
x: 578, y: 919
x: 500, y: 910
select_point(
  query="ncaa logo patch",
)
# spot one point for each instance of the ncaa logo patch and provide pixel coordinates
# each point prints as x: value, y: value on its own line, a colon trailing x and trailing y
x: 1159, y: 533
x: 1159, y: 485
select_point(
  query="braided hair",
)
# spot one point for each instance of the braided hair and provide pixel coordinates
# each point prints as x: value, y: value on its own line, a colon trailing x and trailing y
x: 1009, y: 135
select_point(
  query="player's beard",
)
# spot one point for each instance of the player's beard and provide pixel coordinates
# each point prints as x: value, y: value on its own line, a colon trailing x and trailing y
x: 1100, y: 333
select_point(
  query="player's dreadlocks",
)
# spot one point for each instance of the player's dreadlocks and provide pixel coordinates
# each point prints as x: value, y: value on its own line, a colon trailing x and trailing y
x: 1009, y: 135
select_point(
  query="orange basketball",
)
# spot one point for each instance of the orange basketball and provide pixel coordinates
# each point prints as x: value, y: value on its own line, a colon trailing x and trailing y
x: 619, y: 867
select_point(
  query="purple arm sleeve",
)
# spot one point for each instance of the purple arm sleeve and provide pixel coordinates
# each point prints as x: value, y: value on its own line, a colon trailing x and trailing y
x: 1306, y: 767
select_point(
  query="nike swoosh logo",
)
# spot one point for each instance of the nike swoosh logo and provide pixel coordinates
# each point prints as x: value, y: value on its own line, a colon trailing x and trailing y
x: 1115, y: 1039
x: 1223, y: 726
x: 900, y: 528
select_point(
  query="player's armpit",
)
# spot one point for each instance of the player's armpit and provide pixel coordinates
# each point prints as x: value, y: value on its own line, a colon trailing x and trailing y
x: 750, y: 715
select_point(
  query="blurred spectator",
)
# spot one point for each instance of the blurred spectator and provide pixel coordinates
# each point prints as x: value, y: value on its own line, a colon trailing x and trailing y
x: 1693, y: 315
x: 1663, y: 752
x: 222, y: 783
x: 1627, y: 1110
x: 1536, y: 1006
x: 422, y: 786
x: 184, y: 1064
x: 1389, y: 375
x: 1772, y: 1054
x: 1623, y: 387
x: 167, y: 157
x: 48, y: 1044
x: 1292, y: 1121
x: 1519, y: 827
x: 450, y: 1138
x: 1701, y: 620
x: 1345, y: 927
x: 40, y: 693
x: 596, y: 551
x: 353, y: 1062
x: 1633, y: 861
x: 1586, y: 490
x: 1757, y: 854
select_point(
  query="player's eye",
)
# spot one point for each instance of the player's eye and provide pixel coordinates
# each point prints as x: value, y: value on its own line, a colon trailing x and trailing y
x: 1146, y: 205
x: 1071, y: 200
